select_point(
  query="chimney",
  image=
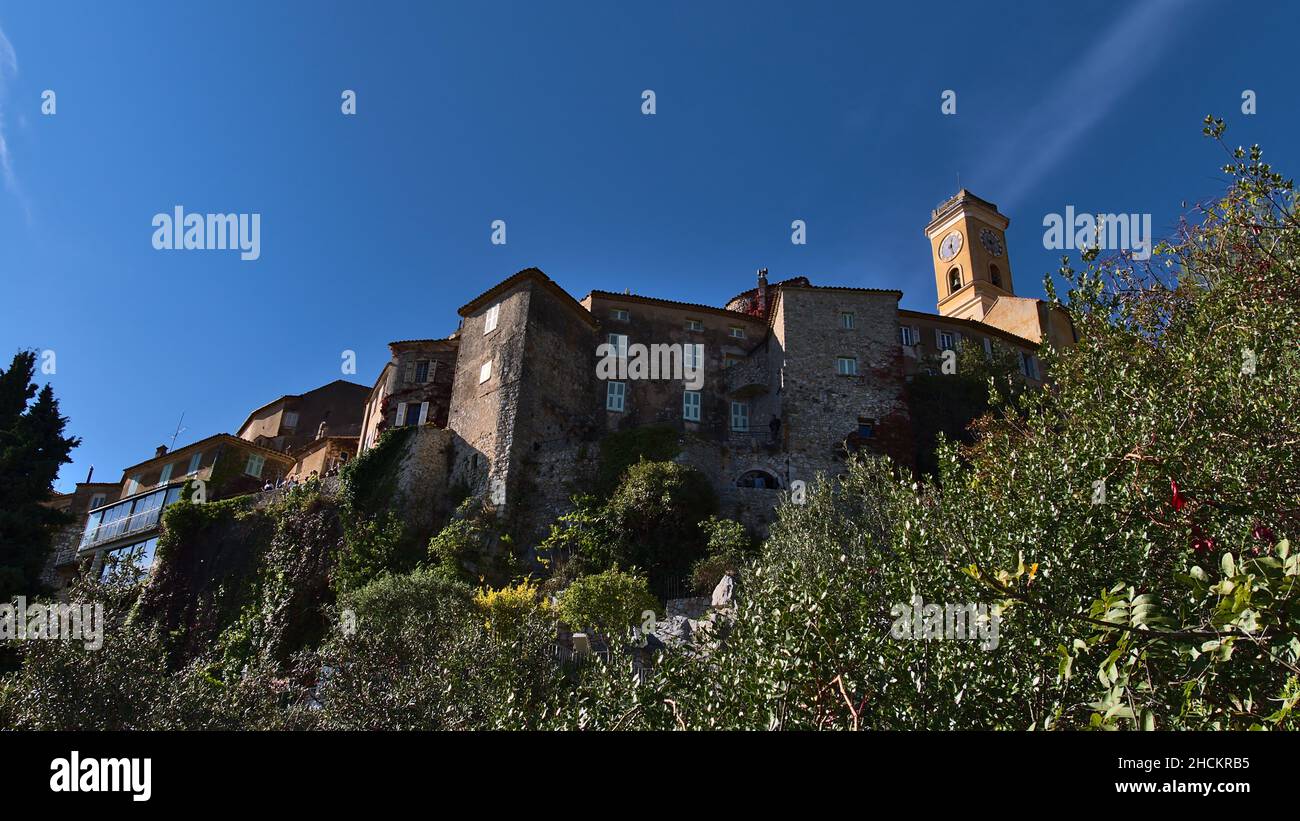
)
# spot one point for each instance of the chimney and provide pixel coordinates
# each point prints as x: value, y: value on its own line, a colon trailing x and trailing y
x: 161, y: 451
x: 762, y: 292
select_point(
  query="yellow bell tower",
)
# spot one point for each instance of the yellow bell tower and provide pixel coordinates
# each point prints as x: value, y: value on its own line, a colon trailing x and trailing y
x: 969, y: 248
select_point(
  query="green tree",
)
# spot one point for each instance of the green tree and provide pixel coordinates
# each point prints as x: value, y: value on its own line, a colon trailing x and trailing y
x: 609, y: 602
x: 656, y: 513
x: 32, y: 449
x: 729, y: 547
x: 944, y: 405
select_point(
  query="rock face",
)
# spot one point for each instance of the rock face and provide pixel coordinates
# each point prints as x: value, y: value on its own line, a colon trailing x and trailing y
x: 725, y: 592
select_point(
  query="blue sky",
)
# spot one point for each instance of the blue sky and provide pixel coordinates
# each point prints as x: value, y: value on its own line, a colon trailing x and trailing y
x: 375, y: 227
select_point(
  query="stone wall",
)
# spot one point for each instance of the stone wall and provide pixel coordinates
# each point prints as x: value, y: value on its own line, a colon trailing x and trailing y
x: 659, y: 401
x: 554, y: 443
x: 526, y: 432
x: 821, y: 407
x: 424, y: 478
x: 483, y: 410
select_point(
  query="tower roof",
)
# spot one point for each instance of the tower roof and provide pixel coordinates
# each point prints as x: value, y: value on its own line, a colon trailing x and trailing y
x: 965, y: 200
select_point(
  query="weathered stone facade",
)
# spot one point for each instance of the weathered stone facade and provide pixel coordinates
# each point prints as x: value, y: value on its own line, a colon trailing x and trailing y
x: 522, y: 398
x: 414, y: 388
x: 821, y: 407
x: 795, y: 378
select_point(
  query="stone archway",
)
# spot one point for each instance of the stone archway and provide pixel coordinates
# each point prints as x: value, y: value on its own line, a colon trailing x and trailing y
x: 760, y: 478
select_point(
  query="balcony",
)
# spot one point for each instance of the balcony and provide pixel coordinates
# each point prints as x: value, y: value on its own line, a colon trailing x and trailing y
x: 753, y: 441
x: 129, y: 517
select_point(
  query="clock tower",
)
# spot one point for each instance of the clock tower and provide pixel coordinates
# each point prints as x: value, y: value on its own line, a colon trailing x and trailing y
x: 969, y: 249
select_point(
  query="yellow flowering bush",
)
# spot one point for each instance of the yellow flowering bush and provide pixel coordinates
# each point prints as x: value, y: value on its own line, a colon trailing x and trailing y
x: 505, y: 609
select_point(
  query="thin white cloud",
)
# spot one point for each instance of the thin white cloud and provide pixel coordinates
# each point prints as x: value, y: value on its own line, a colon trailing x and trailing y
x: 8, y: 70
x: 1084, y: 96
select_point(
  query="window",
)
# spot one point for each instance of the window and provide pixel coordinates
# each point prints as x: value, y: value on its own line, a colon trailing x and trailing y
x: 736, y: 332
x: 422, y: 371
x: 691, y: 406
x: 133, y: 484
x: 739, y: 417
x: 485, y: 372
x: 866, y: 427
x: 166, y: 475
x: 846, y: 366
x: 988, y: 348
x: 954, y: 280
x: 290, y: 419
x: 490, y: 321
x: 619, y: 314
x: 995, y: 275
x: 728, y: 360
x: 195, y: 460
x: 130, y: 516
x: 615, y: 394
x: 97, y: 500
x: 254, y: 465
x: 907, y: 335
x: 694, y: 325
x: 619, y: 343
x: 130, y: 564
x: 846, y: 320
x: 693, y: 356
x: 1029, y: 365
x: 415, y: 414
x: 947, y: 341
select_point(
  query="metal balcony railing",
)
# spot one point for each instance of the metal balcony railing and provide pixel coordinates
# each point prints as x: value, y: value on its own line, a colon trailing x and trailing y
x: 108, y: 531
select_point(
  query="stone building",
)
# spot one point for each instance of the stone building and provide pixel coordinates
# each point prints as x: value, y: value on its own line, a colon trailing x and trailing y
x: 87, y: 496
x: 294, y: 420
x: 523, y: 399
x: 413, y: 388
x: 775, y: 387
x: 322, y: 457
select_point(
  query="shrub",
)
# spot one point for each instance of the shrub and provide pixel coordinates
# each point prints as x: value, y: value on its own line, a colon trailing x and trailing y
x: 655, y: 513
x: 620, y: 451
x: 607, y: 603
x: 728, y: 548
x: 506, y: 609
x: 472, y: 549
x: 422, y: 658
x: 377, y: 539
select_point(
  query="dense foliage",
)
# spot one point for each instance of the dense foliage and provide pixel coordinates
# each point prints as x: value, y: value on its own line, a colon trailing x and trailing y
x: 650, y: 521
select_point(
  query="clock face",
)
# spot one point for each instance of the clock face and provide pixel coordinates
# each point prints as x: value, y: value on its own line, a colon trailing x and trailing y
x: 992, y: 242
x: 950, y: 246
